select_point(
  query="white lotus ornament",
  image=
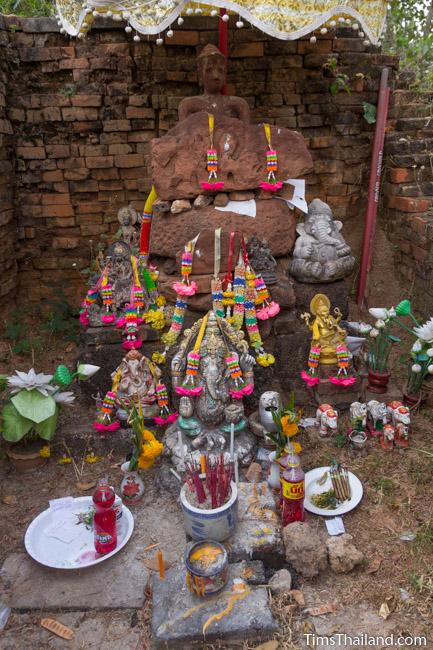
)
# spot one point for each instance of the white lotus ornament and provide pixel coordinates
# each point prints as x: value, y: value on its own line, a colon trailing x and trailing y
x: 29, y: 381
x: 425, y: 332
x: 86, y: 370
x: 378, y: 312
x: 65, y: 398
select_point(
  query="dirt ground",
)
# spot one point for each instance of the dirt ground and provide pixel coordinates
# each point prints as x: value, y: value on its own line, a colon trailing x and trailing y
x: 398, y: 499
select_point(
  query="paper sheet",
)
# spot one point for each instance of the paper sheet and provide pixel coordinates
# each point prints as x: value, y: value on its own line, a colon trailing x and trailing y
x: 298, y: 198
x: 247, y: 208
x: 335, y: 526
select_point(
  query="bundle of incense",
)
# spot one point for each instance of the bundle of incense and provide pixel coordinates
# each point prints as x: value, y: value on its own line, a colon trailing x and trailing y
x: 216, y: 483
x: 340, y: 482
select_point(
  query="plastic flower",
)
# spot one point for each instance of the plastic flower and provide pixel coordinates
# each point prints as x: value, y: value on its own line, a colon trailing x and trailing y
x: 416, y: 368
x: 62, y: 376
x: 429, y: 352
x: 297, y: 447
x: 45, y: 451
x: 265, y: 359
x: 379, y: 324
x: 64, y: 460
x: 160, y: 301
x: 86, y: 370
x: 364, y: 328
x: 289, y: 428
x: 403, y: 308
x: 374, y: 333
x: 149, y: 452
x: 65, y: 398
x: 425, y: 332
x: 430, y: 370
x: 92, y: 458
x: 417, y: 346
x: 378, y: 312
x: 29, y: 381
x: 158, y: 357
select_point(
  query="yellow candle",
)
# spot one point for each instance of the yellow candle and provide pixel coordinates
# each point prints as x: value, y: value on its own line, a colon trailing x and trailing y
x: 160, y: 557
x: 203, y: 464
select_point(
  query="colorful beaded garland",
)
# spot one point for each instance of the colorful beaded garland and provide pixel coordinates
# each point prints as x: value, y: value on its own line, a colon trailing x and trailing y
x: 232, y: 362
x: 342, y: 358
x: 313, y: 358
x: 161, y: 395
x: 193, y: 362
x: 239, y: 296
x: 217, y: 297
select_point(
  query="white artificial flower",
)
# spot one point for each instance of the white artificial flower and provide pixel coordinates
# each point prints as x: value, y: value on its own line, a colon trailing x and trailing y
x: 378, y: 312
x: 67, y: 397
x: 379, y: 324
x: 429, y: 352
x: 416, y: 368
x: 29, y: 381
x: 430, y: 369
x: 364, y: 328
x: 425, y: 332
x: 86, y: 370
x: 374, y: 333
x: 392, y: 313
x: 417, y: 346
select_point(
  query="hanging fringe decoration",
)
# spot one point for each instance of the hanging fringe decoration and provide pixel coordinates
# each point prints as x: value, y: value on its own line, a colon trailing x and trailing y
x: 146, y: 225
x: 212, y: 182
x: 104, y: 421
x: 193, y: 361
x: 165, y: 417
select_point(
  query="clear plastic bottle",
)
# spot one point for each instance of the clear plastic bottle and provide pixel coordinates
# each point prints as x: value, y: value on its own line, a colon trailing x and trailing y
x: 292, y: 489
x: 104, y: 519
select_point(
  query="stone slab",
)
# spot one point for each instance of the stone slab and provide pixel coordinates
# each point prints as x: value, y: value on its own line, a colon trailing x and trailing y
x: 93, y: 631
x: 258, y: 534
x: 118, y: 583
x: 178, y: 616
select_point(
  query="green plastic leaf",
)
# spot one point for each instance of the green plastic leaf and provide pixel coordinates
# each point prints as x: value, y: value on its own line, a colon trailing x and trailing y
x: 422, y: 357
x: 369, y: 113
x: 33, y: 405
x: 14, y: 426
x: 393, y: 338
x: 47, y: 428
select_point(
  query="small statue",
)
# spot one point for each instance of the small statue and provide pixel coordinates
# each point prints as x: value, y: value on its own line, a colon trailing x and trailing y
x: 358, y: 416
x: 326, y: 419
x: 376, y: 416
x: 399, y: 416
x: 321, y: 254
x: 212, y: 371
x: 387, y: 437
x: 212, y: 74
x: 261, y: 421
x: 262, y: 260
x: 328, y: 345
x: 139, y: 378
x: 128, y: 217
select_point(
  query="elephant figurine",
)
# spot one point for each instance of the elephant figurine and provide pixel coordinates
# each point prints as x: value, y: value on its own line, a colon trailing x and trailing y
x: 398, y: 413
x: 326, y: 419
x: 321, y: 254
x: 358, y: 416
x: 376, y: 416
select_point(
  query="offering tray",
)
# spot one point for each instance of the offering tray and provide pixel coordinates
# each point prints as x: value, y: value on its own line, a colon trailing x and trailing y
x: 313, y: 487
x: 59, y: 538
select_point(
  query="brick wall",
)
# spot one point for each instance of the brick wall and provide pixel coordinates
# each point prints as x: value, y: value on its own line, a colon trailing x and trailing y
x: 83, y: 113
x: 8, y: 267
x: 408, y: 194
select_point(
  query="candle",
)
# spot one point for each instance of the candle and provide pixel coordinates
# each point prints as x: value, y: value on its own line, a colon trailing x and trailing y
x: 182, y: 451
x: 232, y: 439
x: 160, y: 559
x: 236, y: 471
x: 203, y: 464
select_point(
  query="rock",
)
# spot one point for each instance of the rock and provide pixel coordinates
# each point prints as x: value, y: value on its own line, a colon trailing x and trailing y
x: 283, y: 292
x: 337, y: 292
x: 178, y: 158
x: 241, y: 195
x: 254, y: 473
x: 203, y: 262
x: 180, y: 205
x: 202, y: 200
x: 269, y: 645
x: 161, y: 206
x: 305, y: 550
x: 273, y: 221
x: 281, y: 582
x: 178, y: 616
x: 342, y: 554
x: 221, y: 200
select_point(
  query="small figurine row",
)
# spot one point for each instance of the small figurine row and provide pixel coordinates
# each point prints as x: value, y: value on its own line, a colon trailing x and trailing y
x: 390, y: 423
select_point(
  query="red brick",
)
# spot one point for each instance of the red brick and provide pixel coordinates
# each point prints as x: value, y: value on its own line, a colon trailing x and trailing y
x: 139, y: 112
x: 131, y: 160
x: 93, y: 229
x: 87, y: 100
x: 74, y: 64
x: 55, y: 199
x: 52, y: 177
x: 181, y: 37
x: 117, y: 125
x: 80, y: 174
x: 108, y: 174
x: 399, y: 175
x: 65, y: 243
x: 119, y: 149
x: 77, y: 114
x: 86, y: 208
x: 409, y: 204
x: 94, y: 150
x: 99, y: 162
x: 141, y: 136
x: 58, y: 211
x: 31, y: 153
x: 58, y: 151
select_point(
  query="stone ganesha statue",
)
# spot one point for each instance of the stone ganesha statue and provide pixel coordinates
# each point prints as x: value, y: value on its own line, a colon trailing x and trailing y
x: 321, y: 254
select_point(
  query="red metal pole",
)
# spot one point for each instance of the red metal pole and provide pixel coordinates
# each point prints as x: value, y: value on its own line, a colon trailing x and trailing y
x: 223, y: 43
x: 374, y: 186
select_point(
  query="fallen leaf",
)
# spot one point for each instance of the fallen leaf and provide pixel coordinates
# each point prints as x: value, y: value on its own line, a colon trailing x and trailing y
x: 153, y: 565
x: 298, y: 596
x: 374, y: 565
x: 384, y: 611
x: 326, y: 608
x: 57, y: 628
x: 84, y: 487
x: 9, y: 499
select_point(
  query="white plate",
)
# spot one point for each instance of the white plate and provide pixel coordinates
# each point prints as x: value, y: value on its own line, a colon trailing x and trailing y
x: 76, y: 553
x: 312, y: 487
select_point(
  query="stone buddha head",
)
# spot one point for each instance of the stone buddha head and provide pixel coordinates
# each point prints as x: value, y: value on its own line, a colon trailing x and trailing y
x: 211, y: 69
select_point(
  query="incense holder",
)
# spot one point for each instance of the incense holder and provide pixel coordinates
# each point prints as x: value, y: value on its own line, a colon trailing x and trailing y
x: 206, y: 567
x: 217, y: 524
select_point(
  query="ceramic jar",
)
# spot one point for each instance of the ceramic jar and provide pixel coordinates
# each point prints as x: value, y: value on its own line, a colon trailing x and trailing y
x: 132, y: 486
x: 217, y: 524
